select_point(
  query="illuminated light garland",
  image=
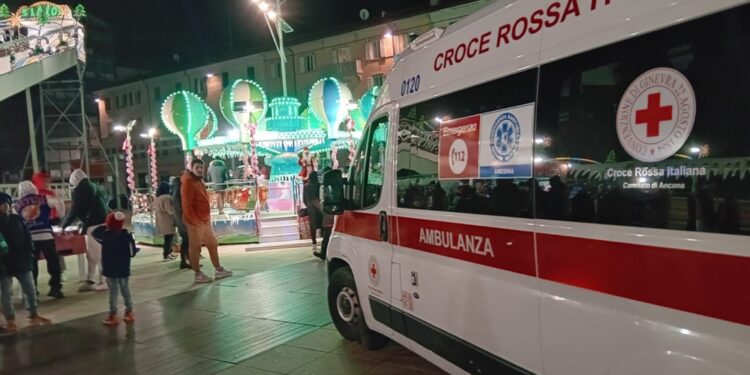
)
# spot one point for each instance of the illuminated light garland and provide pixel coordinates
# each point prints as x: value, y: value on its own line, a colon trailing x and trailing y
x: 127, y: 147
x: 154, y: 171
x: 352, y: 148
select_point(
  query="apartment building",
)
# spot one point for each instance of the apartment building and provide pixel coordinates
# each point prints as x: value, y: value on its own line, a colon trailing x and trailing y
x: 360, y: 58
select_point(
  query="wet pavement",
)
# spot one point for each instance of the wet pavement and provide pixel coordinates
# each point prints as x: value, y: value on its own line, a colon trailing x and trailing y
x: 270, y: 318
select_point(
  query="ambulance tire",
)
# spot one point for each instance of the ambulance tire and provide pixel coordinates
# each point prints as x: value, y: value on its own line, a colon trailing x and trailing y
x: 343, y: 303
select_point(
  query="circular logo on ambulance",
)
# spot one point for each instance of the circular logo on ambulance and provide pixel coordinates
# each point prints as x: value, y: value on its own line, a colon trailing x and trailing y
x: 506, y: 135
x: 656, y: 114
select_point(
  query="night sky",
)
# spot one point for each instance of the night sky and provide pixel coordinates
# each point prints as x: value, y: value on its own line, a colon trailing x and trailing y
x: 149, y: 32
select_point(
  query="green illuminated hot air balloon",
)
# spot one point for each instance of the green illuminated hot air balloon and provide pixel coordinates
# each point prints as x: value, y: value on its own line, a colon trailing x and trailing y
x: 184, y: 114
x: 243, y: 102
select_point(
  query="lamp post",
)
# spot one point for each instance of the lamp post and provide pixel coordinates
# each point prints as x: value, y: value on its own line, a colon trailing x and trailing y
x: 280, y: 27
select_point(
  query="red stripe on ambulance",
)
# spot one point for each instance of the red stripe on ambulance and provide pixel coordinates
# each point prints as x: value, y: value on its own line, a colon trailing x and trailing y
x: 709, y: 284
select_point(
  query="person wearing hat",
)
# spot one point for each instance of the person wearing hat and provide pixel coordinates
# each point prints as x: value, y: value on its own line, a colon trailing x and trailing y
x: 16, y: 257
x: 36, y: 213
x: 118, y: 246
x: 88, y: 207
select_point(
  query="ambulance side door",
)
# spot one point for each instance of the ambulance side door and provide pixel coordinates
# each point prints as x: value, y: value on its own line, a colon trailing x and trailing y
x: 366, y: 224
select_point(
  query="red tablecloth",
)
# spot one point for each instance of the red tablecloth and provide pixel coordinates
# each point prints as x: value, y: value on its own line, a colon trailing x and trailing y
x: 70, y: 244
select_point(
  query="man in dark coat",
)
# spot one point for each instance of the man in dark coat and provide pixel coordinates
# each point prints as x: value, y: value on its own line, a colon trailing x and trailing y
x: 16, y: 257
x: 181, y: 228
x: 88, y: 207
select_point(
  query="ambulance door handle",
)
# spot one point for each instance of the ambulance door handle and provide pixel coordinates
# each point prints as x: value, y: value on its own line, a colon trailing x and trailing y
x: 383, y: 226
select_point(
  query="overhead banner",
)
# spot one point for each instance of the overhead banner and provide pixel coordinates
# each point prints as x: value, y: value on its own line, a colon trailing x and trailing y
x: 498, y: 144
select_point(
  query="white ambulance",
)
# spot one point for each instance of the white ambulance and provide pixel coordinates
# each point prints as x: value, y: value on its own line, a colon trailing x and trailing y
x: 556, y: 187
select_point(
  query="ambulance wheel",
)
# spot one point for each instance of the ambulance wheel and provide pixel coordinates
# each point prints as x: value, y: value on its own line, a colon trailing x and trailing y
x: 346, y: 312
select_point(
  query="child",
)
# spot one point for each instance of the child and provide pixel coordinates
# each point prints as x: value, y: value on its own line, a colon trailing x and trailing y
x: 118, y: 246
x: 16, y: 257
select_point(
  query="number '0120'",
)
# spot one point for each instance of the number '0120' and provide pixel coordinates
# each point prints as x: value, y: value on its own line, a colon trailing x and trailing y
x: 410, y: 85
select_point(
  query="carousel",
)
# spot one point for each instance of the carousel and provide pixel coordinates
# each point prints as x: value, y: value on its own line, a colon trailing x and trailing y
x: 271, y: 147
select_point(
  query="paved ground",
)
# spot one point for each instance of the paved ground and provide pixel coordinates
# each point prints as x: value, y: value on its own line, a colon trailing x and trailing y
x: 270, y: 318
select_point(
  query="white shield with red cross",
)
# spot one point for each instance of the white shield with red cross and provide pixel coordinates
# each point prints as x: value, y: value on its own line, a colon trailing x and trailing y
x: 656, y: 115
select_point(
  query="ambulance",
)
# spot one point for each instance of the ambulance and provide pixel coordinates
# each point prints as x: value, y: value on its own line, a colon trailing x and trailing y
x: 556, y: 187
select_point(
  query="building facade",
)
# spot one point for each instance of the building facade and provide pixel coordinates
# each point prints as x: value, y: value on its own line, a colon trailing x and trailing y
x: 360, y: 58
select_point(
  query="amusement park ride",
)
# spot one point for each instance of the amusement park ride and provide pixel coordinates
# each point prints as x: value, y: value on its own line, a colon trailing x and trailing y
x: 44, y: 39
x: 275, y: 131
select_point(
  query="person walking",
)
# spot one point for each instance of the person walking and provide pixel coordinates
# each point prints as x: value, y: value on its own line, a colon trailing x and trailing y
x: 16, y: 249
x: 196, y: 212
x: 164, y: 212
x: 311, y: 198
x: 327, y: 223
x: 181, y: 228
x: 118, y: 246
x: 88, y: 207
x: 218, y: 175
x: 36, y: 213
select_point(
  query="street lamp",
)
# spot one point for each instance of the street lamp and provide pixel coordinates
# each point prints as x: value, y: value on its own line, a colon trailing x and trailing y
x: 281, y: 28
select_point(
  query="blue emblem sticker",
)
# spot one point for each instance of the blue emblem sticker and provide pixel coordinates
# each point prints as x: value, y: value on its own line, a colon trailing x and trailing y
x: 506, y: 135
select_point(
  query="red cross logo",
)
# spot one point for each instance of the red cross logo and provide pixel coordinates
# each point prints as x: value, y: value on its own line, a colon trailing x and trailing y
x: 653, y: 115
x: 373, y: 270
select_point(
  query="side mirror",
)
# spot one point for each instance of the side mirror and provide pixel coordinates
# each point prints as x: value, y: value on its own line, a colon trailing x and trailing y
x: 334, y: 201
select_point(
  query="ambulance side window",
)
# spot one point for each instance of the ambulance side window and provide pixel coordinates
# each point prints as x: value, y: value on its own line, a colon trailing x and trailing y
x: 698, y: 180
x: 369, y: 163
x: 418, y: 152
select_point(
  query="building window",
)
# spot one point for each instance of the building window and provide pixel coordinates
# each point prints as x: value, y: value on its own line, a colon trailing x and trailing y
x: 203, y: 85
x: 341, y: 55
x: 276, y: 70
x: 178, y: 86
x: 376, y: 80
x: 385, y: 47
x: 107, y: 104
x: 307, y: 63
x: 117, y: 101
x: 224, y: 80
x: 251, y: 73
x: 138, y: 97
x: 130, y: 99
x: 157, y: 94
x: 373, y: 50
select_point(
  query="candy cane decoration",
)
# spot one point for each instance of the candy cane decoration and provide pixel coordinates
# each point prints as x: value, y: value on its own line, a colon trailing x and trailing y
x: 154, y: 172
x: 127, y: 146
x: 334, y: 157
x: 350, y: 129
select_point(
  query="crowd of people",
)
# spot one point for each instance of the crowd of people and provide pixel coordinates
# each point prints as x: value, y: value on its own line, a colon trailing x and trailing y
x: 182, y: 210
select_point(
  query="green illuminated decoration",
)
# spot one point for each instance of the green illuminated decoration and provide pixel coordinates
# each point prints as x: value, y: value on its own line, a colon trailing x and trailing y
x: 4, y: 12
x: 243, y: 102
x: 211, y: 126
x: 79, y: 12
x: 42, y: 10
x: 285, y: 115
x: 184, y: 114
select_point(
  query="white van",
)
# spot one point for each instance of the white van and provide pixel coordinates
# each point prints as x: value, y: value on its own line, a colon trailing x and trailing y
x: 556, y: 187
